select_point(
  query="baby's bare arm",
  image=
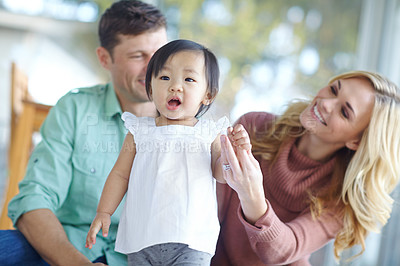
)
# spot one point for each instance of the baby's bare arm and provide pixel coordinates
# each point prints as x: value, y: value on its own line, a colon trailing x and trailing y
x: 114, y: 190
x: 216, y: 165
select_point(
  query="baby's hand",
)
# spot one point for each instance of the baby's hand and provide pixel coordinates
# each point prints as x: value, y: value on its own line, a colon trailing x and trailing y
x: 239, y: 137
x: 101, y: 221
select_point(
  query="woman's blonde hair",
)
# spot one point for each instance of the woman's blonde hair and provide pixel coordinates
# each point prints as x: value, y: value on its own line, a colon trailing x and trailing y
x: 362, y: 181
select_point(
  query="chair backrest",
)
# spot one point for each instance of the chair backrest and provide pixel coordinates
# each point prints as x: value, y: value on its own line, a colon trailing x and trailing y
x: 26, y: 118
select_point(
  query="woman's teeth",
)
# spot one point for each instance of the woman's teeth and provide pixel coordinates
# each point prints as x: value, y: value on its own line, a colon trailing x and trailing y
x: 318, y: 115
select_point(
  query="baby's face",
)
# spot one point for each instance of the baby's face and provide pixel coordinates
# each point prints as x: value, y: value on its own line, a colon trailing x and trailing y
x: 180, y: 88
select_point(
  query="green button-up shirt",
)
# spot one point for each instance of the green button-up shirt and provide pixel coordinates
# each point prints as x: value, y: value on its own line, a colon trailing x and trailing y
x: 81, y: 139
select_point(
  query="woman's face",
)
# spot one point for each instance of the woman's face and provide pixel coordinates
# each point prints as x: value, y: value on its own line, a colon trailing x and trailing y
x: 340, y: 112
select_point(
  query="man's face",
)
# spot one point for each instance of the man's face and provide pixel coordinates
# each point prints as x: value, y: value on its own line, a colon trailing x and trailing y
x: 128, y: 64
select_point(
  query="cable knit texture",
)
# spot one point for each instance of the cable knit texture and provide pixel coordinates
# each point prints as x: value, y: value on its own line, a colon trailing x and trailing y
x: 286, y: 234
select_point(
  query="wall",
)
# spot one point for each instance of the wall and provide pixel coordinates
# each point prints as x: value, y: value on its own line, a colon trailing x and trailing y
x: 56, y: 55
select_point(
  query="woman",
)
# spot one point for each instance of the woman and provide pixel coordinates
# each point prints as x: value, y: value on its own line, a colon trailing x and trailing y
x: 322, y: 170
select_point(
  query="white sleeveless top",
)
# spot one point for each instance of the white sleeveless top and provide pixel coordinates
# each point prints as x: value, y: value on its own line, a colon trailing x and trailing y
x: 171, y: 195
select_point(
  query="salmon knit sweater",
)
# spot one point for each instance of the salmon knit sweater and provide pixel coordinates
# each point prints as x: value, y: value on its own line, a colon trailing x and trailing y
x: 286, y: 234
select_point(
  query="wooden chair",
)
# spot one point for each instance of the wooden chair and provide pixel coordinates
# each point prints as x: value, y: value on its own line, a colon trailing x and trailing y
x: 26, y: 118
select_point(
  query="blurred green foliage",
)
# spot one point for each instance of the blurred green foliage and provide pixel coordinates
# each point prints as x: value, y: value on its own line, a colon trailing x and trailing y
x: 243, y: 33
x: 245, y: 37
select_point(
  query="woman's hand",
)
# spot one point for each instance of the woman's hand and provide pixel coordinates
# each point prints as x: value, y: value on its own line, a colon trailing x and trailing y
x: 245, y: 177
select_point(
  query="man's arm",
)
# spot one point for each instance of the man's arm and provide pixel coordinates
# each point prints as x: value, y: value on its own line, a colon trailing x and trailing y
x: 44, y: 232
x: 46, y: 185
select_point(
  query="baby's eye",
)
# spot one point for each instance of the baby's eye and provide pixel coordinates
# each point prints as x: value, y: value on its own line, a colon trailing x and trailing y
x: 164, y: 78
x: 189, y: 79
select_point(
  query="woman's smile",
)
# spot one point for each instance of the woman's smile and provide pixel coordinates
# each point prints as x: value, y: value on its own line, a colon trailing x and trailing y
x: 318, y: 115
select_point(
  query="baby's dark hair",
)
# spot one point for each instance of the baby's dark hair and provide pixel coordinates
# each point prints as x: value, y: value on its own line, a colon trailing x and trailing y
x: 161, y: 56
x: 128, y: 18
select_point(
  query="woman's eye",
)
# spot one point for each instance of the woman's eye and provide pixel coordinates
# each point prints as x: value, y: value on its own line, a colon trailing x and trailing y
x: 344, y: 113
x: 333, y: 90
x: 164, y: 78
x: 189, y: 79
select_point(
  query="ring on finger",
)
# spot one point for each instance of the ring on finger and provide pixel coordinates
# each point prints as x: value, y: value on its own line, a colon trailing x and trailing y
x: 226, y: 167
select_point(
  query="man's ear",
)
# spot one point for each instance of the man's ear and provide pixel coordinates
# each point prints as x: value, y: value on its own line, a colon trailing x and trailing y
x: 353, y: 144
x: 208, y: 99
x: 104, y: 57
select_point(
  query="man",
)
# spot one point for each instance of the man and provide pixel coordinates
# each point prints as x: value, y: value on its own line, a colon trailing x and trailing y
x: 82, y: 136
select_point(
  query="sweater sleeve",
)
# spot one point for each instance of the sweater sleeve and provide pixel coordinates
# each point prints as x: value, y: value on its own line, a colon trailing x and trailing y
x: 276, y: 242
x: 252, y: 122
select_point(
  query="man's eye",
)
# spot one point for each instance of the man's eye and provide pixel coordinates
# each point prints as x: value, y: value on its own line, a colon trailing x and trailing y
x: 164, y: 78
x: 189, y: 79
x: 136, y: 56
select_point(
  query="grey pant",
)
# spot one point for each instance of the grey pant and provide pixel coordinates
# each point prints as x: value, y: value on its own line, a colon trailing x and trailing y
x: 169, y: 254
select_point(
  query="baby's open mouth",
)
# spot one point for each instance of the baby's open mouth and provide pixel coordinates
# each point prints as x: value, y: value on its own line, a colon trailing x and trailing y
x: 173, y: 103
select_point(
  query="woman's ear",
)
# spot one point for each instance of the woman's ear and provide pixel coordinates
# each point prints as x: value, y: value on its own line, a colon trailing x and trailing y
x: 104, y: 57
x: 208, y: 99
x: 353, y: 144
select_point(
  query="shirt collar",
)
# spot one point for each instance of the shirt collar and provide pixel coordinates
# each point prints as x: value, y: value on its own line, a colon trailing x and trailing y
x: 112, y: 106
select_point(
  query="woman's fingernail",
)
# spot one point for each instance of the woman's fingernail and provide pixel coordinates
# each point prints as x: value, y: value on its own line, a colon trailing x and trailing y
x: 223, y: 139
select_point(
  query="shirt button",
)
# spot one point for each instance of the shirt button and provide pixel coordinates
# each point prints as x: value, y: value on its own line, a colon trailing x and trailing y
x: 92, y: 170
